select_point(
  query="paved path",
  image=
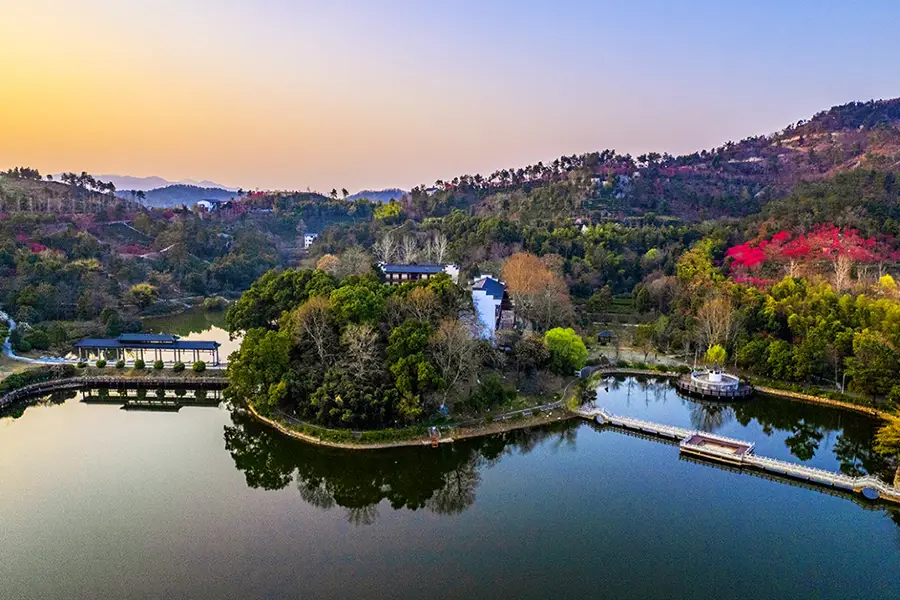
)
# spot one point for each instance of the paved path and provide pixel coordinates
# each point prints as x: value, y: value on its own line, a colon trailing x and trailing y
x: 10, y: 353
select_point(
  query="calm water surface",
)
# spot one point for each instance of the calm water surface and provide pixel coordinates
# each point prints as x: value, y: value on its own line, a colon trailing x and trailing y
x: 102, y: 503
x: 196, y: 324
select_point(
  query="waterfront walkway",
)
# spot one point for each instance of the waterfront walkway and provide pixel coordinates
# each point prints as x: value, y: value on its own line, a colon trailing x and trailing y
x: 865, y: 484
x: 81, y: 383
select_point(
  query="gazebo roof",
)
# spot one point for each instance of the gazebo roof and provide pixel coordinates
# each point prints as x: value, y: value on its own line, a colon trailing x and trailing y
x: 113, y: 344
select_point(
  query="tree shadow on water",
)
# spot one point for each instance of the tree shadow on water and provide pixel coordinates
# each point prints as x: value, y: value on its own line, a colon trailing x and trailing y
x: 442, y: 481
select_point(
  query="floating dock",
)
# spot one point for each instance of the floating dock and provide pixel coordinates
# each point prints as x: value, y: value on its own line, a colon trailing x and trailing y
x: 717, y: 447
x: 740, y: 454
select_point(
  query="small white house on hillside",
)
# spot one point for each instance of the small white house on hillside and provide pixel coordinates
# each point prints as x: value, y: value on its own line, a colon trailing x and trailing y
x: 490, y: 299
x: 308, y: 239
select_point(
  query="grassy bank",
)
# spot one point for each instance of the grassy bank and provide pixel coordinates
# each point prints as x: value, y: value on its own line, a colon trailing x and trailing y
x: 405, y: 437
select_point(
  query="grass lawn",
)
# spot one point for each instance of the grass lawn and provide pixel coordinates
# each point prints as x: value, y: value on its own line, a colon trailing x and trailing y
x: 9, y: 366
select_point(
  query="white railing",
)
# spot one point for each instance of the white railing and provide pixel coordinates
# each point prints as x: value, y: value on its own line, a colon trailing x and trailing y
x: 822, y: 476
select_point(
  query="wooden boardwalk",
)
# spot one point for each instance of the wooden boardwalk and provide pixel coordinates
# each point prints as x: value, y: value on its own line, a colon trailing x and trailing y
x: 81, y: 383
x: 749, y: 460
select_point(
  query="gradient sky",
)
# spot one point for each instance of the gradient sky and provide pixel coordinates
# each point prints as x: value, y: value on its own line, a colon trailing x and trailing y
x: 371, y: 94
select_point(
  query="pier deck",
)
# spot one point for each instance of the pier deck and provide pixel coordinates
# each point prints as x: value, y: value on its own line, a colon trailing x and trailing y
x: 740, y: 454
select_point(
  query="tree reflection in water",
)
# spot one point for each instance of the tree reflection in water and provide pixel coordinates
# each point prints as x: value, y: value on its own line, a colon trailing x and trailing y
x: 809, y: 424
x: 442, y: 481
x: 709, y: 416
x: 806, y: 429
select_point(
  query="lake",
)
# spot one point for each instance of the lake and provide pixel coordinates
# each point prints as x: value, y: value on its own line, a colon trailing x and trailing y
x: 102, y: 503
x: 196, y: 324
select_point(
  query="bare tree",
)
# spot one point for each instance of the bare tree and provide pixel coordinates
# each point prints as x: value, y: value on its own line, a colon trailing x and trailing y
x: 409, y: 250
x: 428, y: 251
x: 440, y: 248
x: 421, y: 304
x: 361, y: 350
x: 843, y: 268
x: 717, y: 321
x: 385, y: 249
x: 329, y: 263
x: 354, y: 261
x: 453, y: 352
x: 312, y: 322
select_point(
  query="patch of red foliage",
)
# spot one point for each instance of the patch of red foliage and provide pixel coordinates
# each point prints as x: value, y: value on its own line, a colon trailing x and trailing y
x: 37, y: 248
x: 746, y: 255
x: 825, y: 242
x: 135, y: 249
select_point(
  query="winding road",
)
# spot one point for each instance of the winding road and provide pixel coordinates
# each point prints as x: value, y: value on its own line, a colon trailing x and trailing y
x: 8, y: 349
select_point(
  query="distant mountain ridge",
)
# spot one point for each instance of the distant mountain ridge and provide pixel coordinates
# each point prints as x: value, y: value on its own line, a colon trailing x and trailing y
x: 145, y: 184
x: 383, y: 196
x: 178, y: 194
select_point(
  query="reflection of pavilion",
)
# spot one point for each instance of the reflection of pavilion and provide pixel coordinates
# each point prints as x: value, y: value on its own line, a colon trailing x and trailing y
x: 132, y: 346
x: 148, y: 399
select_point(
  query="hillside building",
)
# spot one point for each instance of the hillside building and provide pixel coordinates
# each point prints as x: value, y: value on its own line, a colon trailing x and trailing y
x: 396, y: 274
x: 492, y: 305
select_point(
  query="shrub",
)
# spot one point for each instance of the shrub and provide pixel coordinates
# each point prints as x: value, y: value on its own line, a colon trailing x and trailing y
x: 81, y: 365
x: 139, y: 365
x: 491, y: 391
x: 19, y: 343
x: 101, y: 364
x: 178, y: 367
x: 120, y: 364
x: 199, y: 366
x: 215, y: 303
x: 567, y: 350
x: 158, y: 365
x: 38, y: 339
x: 683, y: 369
x: 623, y: 364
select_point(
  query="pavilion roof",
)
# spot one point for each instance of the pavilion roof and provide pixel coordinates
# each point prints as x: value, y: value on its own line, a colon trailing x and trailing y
x: 113, y: 344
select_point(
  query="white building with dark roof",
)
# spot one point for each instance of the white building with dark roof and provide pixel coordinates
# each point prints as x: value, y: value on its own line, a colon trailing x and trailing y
x: 491, y: 302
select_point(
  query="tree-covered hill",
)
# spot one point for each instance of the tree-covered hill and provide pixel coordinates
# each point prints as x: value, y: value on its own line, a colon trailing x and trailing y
x: 178, y: 195
x: 735, y: 179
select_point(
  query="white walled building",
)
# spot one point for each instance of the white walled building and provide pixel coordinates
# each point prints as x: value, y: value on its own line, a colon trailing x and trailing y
x: 490, y: 299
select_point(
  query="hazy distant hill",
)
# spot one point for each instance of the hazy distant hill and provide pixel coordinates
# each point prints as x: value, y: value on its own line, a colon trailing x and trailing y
x: 145, y: 184
x: 383, y: 196
x: 178, y: 194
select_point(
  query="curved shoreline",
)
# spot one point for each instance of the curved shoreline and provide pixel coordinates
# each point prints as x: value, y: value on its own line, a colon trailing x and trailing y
x: 458, y: 434
x: 502, y: 423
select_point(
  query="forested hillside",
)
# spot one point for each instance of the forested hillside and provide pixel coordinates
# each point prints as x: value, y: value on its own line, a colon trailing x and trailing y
x: 177, y: 195
x: 735, y: 179
x: 663, y: 241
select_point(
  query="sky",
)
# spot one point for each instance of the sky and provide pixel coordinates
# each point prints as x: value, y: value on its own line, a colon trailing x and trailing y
x: 366, y: 94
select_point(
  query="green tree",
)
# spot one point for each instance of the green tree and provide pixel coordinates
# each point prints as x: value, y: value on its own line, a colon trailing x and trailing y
x: 567, y: 350
x: 143, y: 294
x: 257, y: 372
x: 780, y: 360
x: 716, y: 355
x: 874, y: 364
x: 357, y: 304
x: 414, y: 375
